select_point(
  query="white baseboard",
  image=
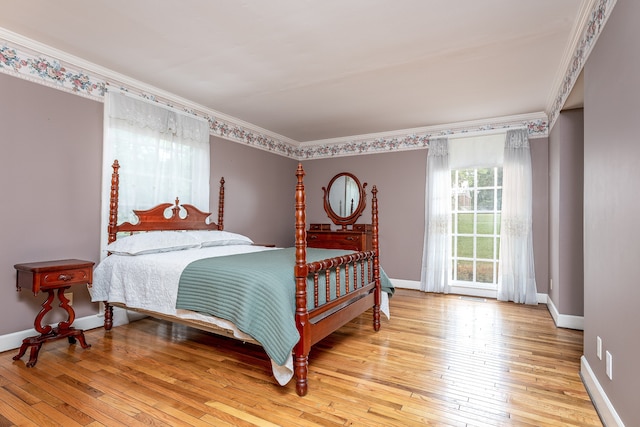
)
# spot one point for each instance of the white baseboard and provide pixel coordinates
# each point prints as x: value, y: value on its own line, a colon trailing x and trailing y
x: 406, y: 284
x: 565, y: 320
x: 605, y: 409
x: 474, y: 292
x: 459, y: 290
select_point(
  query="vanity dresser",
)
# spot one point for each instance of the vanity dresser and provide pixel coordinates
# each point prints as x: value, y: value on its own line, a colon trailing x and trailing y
x: 344, y: 202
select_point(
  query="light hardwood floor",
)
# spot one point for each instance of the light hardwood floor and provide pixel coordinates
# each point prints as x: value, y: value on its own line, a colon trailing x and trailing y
x: 442, y: 360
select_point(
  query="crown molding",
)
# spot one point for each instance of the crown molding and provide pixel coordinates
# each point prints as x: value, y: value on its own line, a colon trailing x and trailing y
x: 593, y: 15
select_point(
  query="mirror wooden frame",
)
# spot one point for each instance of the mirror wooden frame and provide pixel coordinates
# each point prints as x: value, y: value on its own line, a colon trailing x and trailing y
x: 345, y: 221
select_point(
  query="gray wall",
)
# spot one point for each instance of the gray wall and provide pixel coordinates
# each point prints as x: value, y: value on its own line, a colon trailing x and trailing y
x: 566, y: 152
x: 540, y: 166
x: 259, y: 191
x: 51, y: 147
x: 611, y: 206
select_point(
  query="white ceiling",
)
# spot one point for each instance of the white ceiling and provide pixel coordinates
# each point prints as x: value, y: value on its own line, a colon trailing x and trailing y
x: 311, y: 70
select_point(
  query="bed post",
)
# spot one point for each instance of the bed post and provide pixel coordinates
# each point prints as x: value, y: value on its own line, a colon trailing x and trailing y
x: 113, y: 202
x: 221, y: 205
x: 376, y: 259
x: 302, y: 348
x: 113, y: 222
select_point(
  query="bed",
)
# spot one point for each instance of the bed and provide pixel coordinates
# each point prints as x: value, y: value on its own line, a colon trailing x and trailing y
x: 187, y: 270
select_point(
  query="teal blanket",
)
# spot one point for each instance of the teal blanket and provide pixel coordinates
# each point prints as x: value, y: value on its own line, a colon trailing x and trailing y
x: 255, y: 291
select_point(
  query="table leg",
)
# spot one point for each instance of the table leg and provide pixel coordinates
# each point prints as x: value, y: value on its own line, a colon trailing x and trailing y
x: 64, y: 303
x: 46, y: 307
x: 63, y: 330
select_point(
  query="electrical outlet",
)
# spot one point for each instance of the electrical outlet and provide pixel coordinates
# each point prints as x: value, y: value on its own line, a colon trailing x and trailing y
x: 609, y: 365
x: 69, y: 296
x: 599, y: 347
x: 550, y: 284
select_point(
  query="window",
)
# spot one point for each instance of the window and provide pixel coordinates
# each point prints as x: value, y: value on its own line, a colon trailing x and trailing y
x: 476, y: 207
x: 163, y: 154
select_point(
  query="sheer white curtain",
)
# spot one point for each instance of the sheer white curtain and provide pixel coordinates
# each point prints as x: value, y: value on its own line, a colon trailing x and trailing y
x: 436, y: 256
x: 517, y: 275
x: 163, y: 154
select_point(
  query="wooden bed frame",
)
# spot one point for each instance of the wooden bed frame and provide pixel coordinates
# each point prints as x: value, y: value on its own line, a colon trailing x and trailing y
x: 313, y: 325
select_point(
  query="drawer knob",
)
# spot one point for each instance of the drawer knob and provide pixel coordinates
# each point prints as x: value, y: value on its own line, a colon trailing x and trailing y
x: 65, y: 277
x: 313, y: 236
x: 350, y: 238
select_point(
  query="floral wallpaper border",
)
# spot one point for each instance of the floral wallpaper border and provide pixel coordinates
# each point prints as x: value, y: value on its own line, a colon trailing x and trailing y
x: 20, y: 61
x: 48, y: 71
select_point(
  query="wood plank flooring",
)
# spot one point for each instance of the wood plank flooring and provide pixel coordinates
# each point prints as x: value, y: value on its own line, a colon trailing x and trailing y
x: 440, y: 360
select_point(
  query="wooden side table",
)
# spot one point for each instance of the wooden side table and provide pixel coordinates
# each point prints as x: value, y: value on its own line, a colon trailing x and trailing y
x: 49, y: 276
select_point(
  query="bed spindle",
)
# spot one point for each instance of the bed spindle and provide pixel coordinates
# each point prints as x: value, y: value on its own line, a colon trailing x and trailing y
x: 221, y: 205
x: 327, y: 285
x: 355, y: 276
x: 346, y: 278
x: 315, y: 289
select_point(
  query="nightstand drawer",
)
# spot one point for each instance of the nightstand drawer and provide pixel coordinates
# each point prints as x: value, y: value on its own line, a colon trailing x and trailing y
x: 53, y: 274
x: 66, y: 277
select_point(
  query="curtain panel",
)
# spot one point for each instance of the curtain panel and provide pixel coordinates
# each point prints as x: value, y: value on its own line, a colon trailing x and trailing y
x: 516, y: 281
x: 436, y: 256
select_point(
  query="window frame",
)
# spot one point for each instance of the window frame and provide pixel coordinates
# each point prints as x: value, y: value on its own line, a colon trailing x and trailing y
x: 495, y: 211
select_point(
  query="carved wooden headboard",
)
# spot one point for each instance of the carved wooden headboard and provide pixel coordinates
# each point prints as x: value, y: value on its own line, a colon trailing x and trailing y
x: 154, y: 219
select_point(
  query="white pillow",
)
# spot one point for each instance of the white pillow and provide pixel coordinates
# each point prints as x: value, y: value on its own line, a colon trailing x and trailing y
x: 219, y: 238
x: 153, y: 242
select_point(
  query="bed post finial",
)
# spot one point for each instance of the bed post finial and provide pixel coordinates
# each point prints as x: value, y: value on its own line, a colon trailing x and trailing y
x: 113, y: 202
x: 221, y: 205
x: 176, y: 209
x: 376, y: 258
x: 302, y: 348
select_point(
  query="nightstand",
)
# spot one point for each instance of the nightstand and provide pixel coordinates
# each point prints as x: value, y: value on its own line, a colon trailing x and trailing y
x: 48, y: 276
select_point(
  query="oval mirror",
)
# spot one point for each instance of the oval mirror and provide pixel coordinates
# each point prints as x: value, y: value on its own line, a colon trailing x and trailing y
x: 344, y: 199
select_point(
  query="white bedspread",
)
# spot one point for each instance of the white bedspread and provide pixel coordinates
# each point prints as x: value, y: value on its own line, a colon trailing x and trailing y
x: 150, y: 282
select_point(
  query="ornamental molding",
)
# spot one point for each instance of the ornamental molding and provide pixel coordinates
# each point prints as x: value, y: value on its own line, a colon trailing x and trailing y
x: 39, y: 63
x: 592, y: 18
